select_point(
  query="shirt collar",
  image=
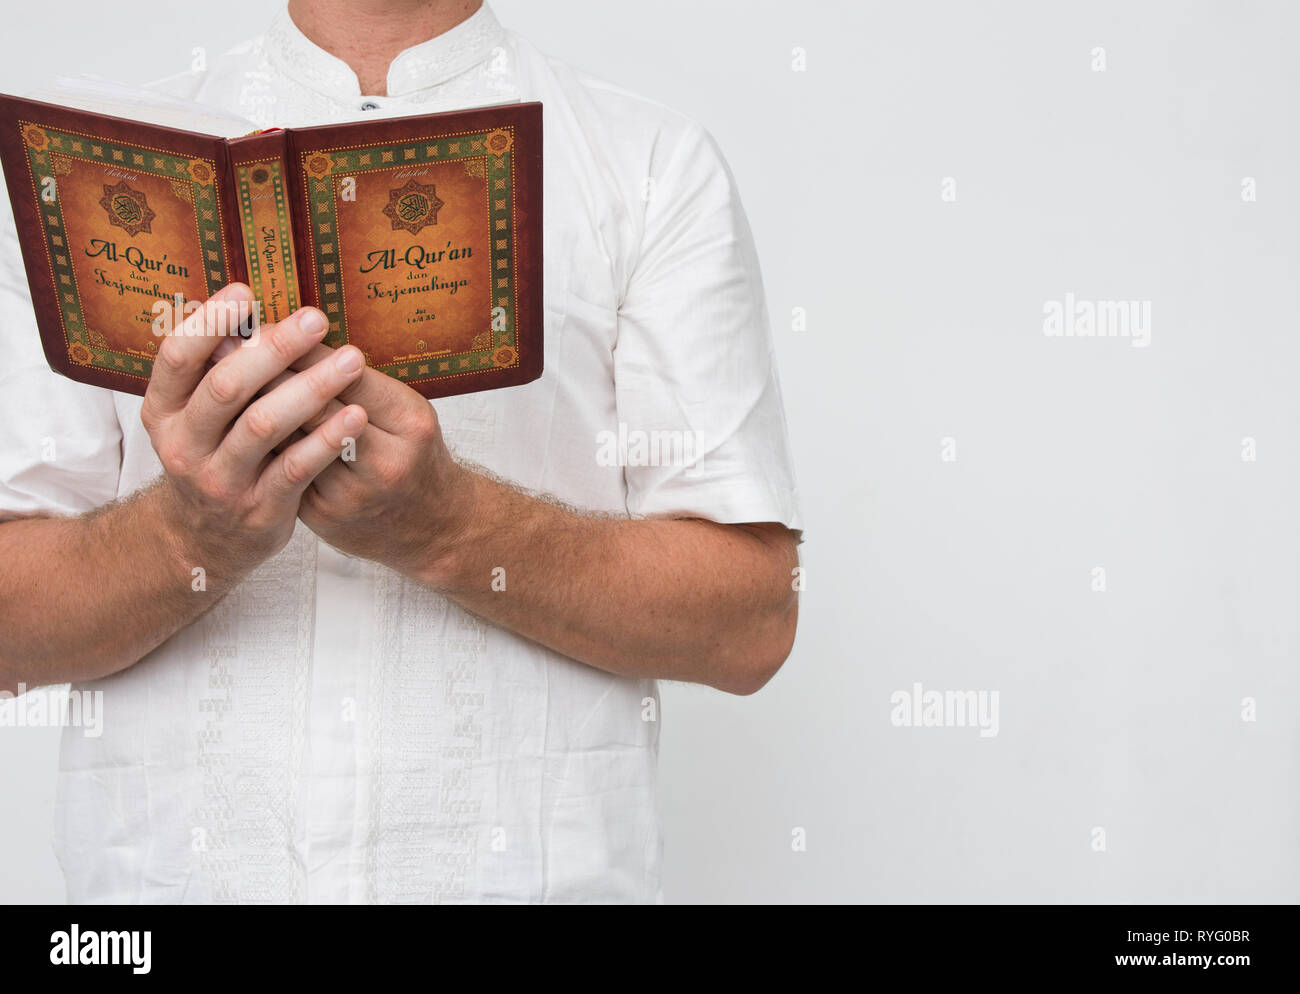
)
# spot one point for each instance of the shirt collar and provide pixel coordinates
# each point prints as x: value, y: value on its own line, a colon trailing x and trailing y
x: 419, y: 67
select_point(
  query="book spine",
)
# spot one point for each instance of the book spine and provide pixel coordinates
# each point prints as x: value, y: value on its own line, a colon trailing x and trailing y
x: 262, y: 200
x: 303, y: 244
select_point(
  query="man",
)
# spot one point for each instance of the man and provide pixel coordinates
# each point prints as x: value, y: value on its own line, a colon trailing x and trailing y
x: 426, y: 674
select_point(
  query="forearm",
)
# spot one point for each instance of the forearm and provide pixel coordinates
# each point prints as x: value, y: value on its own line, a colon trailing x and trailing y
x: 83, y: 597
x: 674, y: 599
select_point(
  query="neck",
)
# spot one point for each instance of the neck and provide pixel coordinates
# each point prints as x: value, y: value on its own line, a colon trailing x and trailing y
x: 369, y: 34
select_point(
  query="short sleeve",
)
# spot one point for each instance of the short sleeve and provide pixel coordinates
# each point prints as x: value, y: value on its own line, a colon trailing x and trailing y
x: 62, y: 451
x: 700, y: 414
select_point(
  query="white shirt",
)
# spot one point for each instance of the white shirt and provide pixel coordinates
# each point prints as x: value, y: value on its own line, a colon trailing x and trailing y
x: 331, y: 732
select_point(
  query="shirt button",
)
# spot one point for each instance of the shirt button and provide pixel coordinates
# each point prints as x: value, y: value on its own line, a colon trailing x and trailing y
x: 370, y: 105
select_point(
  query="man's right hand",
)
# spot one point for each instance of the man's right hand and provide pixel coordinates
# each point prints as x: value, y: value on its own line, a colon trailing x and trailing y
x: 233, y: 498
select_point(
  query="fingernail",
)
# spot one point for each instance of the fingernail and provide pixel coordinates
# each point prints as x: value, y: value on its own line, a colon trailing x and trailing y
x: 312, y: 322
x: 227, y: 291
x: 353, y: 421
x: 349, y: 360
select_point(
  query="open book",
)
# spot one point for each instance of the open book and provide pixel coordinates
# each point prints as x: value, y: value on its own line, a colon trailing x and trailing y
x: 419, y: 237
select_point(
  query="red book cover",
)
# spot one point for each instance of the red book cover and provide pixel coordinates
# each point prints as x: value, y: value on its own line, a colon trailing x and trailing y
x: 419, y: 237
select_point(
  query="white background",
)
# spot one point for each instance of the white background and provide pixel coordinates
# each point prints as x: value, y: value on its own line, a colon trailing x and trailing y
x: 1119, y: 709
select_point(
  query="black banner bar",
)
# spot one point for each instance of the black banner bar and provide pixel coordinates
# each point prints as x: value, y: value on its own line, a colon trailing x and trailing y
x: 1180, y: 944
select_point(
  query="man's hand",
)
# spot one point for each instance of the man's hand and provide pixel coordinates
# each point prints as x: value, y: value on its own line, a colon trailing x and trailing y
x: 71, y: 587
x: 233, y: 499
x: 404, y: 501
x: 675, y: 599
